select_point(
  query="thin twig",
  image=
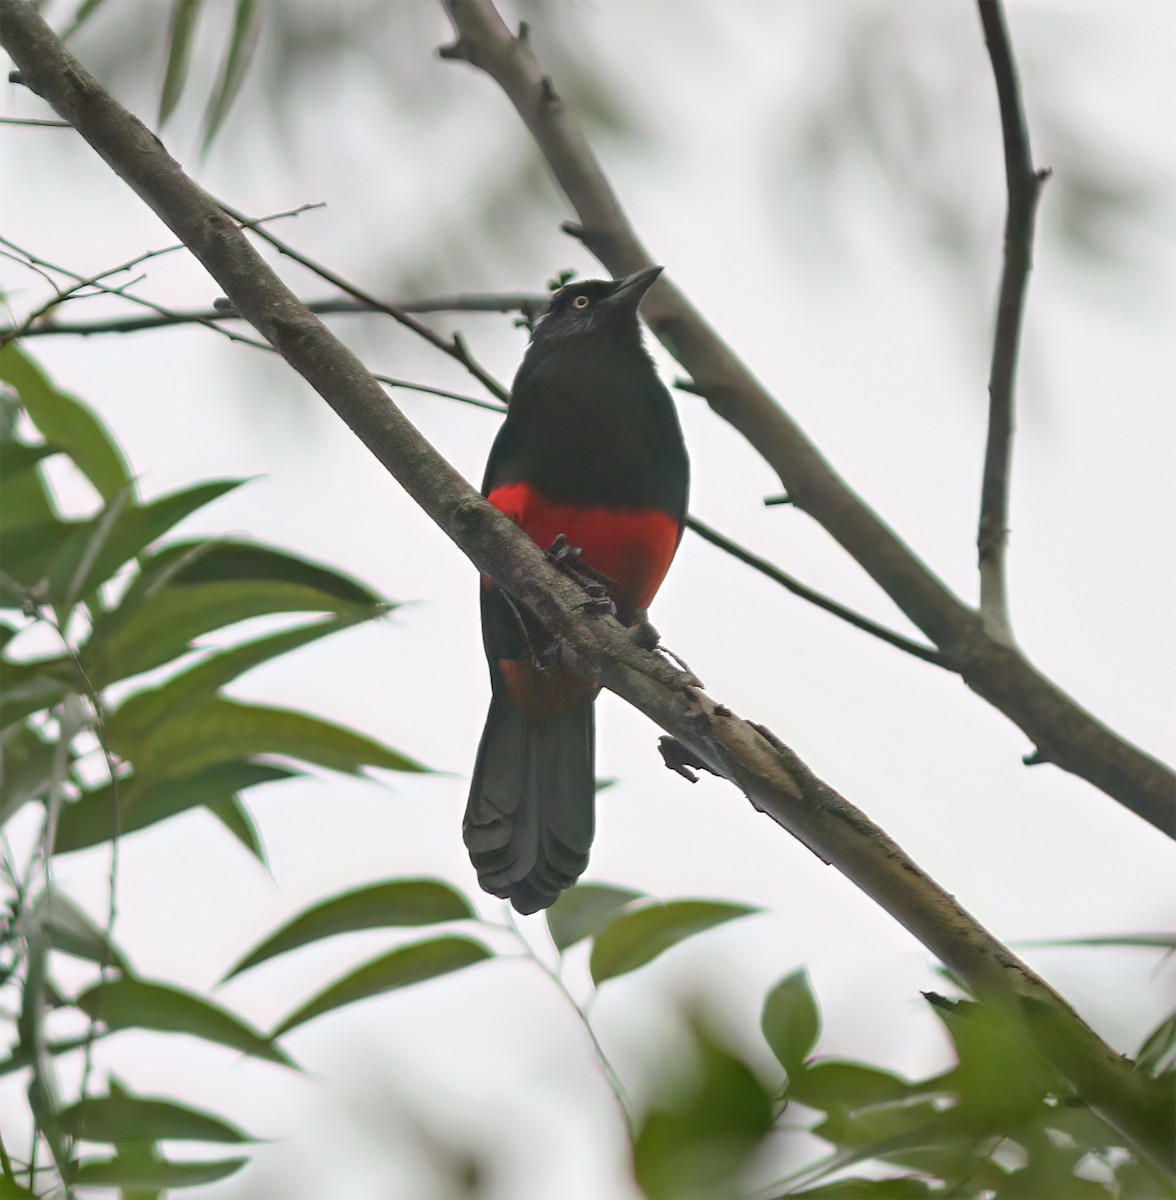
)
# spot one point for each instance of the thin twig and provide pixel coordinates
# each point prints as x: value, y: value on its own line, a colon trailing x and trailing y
x: 609, y: 1071
x: 164, y: 315
x: 926, y: 653
x: 530, y: 304
x: 1024, y: 187
x: 455, y: 348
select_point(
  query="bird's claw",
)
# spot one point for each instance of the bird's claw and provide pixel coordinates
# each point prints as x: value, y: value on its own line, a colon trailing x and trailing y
x: 567, y: 558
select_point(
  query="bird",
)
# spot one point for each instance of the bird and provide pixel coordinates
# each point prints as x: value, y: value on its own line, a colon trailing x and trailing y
x: 590, y: 457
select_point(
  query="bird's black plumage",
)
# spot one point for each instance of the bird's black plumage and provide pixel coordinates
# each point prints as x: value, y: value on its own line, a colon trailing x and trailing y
x: 590, y: 448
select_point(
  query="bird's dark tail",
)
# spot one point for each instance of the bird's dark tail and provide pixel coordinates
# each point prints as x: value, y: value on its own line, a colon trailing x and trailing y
x: 531, y: 812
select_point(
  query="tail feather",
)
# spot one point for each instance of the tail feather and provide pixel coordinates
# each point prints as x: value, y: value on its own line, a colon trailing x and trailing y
x: 531, y: 812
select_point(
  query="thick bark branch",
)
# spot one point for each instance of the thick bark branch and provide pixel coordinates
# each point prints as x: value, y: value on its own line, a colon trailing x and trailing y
x: 770, y: 775
x: 1023, y: 185
x: 1063, y: 732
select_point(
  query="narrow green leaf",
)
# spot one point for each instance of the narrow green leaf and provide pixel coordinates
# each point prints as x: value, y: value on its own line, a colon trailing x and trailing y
x: 832, y: 1086
x: 78, y: 567
x: 121, y: 809
x: 219, y: 730
x: 141, y: 711
x: 906, y: 1187
x: 20, y: 698
x: 246, y: 27
x: 183, y: 25
x: 72, y: 570
x: 1155, y: 1055
x: 638, y: 937
x: 584, y: 910
x: 400, y: 968
x: 26, y: 768
x: 791, y: 1021
x: 398, y: 903
x: 122, y: 1118
x: 66, y: 422
x: 131, y: 1003
x: 238, y: 820
x: 191, y: 588
x: 85, y: 11
x: 1138, y: 941
x: 28, y: 551
x: 68, y: 928
x: 18, y: 457
x: 124, y: 1172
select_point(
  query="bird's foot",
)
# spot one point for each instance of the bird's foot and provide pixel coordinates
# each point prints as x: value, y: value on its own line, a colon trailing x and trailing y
x: 567, y: 558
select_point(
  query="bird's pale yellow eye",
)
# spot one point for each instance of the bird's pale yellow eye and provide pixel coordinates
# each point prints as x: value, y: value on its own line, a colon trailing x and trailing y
x: 580, y: 302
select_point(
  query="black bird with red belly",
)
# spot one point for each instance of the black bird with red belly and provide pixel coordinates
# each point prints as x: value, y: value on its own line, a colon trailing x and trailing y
x: 590, y: 449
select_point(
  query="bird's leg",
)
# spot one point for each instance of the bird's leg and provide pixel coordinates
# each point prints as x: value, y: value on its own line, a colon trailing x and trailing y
x: 567, y: 558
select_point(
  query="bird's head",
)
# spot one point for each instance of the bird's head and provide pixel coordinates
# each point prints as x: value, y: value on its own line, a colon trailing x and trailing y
x: 592, y: 306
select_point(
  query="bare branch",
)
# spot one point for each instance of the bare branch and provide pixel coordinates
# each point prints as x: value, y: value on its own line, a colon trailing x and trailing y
x: 926, y: 653
x: 1062, y: 731
x: 529, y: 304
x: 772, y: 777
x: 1024, y: 188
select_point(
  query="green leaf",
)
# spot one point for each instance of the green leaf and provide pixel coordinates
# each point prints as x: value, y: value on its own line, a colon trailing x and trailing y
x: 126, y: 1172
x: 638, y: 937
x: 141, y: 711
x: 27, y: 764
x: 238, y: 820
x: 246, y: 27
x: 906, y: 1187
x: 832, y: 1086
x: 583, y: 911
x: 85, y: 11
x: 98, y: 547
x: 94, y: 818
x: 18, y: 457
x: 28, y: 551
x: 219, y: 730
x: 1155, y: 1055
x: 398, y: 903
x: 24, y: 692
x: 132, y: 1003
x: 701, y: 1135
x: 791, y: 1021
x: 400, y: 968
x: 183, y: 25
x: 191, y: 588
x: 66, y: 422
x: 123, y: 1118
x: 67, y: 928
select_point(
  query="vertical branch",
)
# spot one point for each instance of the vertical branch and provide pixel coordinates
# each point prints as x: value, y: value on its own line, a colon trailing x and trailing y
x: 1023, y: 182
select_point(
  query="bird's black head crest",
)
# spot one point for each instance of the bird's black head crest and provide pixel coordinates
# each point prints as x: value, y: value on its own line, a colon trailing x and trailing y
x: 591, y: 305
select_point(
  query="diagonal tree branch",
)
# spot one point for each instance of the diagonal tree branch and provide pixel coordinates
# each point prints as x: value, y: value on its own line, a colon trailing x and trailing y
x: 1063, y: 732
x: 775, y: 781
x: 1024, y: 188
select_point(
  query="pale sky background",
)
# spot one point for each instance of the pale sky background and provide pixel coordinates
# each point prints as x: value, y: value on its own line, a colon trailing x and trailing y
x: 874, y: 340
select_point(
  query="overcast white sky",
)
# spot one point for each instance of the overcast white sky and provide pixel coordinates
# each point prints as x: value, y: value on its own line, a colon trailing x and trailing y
x: 875, y: 342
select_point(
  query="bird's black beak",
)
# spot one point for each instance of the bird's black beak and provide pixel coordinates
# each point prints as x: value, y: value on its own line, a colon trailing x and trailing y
x: 628, y: 292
